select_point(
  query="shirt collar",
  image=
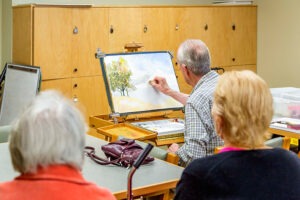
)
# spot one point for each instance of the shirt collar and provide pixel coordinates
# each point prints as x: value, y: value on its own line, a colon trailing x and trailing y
x: 204, y: 78
x: 54, y: 172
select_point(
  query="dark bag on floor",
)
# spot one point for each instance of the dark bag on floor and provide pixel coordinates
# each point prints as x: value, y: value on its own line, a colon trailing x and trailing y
x: 122, y: 152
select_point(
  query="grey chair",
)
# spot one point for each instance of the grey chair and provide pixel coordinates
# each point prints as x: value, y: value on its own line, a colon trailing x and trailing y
x: 281, y: 142
x: 161, y: 154
x: 4, y: 133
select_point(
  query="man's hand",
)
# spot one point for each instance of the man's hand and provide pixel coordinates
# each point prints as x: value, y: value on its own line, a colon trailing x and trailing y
x: 161, y: 85
x: 173, y: 148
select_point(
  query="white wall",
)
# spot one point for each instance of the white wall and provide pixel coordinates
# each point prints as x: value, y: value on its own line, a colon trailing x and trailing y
x: 6, y: 33
x: 278, y: 53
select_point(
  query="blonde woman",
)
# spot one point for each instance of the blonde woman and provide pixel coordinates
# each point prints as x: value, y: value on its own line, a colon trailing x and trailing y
x: 245, y: 168
x: 46, y: 146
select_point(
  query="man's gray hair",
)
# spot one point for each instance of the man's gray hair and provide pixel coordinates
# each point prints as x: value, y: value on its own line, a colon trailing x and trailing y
x: 195, y: 55
x: 50, y: 131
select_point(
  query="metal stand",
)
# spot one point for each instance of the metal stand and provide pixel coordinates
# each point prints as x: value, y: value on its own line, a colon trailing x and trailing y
x: 115, y: 116
x: 135, y: 166
x: 99, y: 54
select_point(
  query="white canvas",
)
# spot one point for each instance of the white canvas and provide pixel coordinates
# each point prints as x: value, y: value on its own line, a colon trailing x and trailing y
x: 136, y: 94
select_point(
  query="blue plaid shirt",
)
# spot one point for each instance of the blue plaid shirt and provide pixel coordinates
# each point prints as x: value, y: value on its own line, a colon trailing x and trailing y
x: 200, y: 138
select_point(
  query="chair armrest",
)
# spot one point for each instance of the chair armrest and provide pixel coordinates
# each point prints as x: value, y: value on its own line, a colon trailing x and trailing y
x: 217, y: 149
x: 286, y: 143
x: 172, y: 158
x: 4, y: 133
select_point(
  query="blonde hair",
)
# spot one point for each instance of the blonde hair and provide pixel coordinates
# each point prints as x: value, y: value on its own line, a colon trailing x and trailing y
x: 50, y: 131
x: 244, y: 102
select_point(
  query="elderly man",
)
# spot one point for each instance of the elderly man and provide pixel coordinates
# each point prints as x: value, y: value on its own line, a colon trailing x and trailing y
x: 200, y: 136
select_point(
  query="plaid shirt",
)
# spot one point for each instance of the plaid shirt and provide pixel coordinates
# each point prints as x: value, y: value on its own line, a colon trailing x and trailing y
x: 200, y: 138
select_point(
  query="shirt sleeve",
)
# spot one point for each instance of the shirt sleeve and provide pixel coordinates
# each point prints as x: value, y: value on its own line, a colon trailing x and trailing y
x: 196, y: 136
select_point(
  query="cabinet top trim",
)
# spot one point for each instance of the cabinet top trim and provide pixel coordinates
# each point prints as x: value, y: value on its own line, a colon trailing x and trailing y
x: 126, y: 6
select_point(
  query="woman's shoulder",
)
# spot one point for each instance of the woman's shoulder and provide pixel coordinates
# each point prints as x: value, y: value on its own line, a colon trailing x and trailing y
x: 282, y: 154
x: 224, y: 159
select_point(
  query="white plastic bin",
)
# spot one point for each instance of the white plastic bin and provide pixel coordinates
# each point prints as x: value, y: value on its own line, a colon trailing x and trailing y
x: 286, y: 102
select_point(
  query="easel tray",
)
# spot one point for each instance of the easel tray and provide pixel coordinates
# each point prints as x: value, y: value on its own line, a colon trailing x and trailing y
x: 126, y: 130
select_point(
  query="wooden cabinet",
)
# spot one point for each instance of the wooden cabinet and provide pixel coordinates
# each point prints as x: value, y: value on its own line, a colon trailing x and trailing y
x: 125, y: 26
x: 160, y: 29
x: 87, y: 92
x: 65, y: 40
x: 52, y: 41
x: 62, y: 40
x: 244, y: 36
x: 64, y: 85
x: 92, y: 27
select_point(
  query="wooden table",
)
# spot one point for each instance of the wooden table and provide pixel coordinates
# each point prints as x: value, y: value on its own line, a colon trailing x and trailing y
x: 157, y: 177
x: 286, y: 132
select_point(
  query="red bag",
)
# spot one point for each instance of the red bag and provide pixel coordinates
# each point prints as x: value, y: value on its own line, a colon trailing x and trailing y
x: 122, y: 152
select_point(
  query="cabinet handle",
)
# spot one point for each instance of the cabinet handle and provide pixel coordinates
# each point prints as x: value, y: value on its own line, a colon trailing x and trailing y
x: 111, y: 30
x: 233, y: 59
x: 206, y: 27
x: 75, y: 30
x: 145, y: 28
x: 75, y: 70
x: 177, y: 27
x: 233, y: 27
x: 75, y: 99
x: 75, y: 85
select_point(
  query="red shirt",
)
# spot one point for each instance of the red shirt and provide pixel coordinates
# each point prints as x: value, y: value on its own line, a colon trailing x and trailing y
x: 54, y: 182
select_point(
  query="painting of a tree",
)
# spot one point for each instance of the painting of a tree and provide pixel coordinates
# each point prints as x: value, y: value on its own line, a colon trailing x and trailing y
x: 119, y: 74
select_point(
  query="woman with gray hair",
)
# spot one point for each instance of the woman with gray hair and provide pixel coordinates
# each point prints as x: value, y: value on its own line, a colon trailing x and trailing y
x: 46, y: 146
x: 245, y: 168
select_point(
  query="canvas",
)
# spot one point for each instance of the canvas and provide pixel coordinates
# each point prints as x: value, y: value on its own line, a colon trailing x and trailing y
x: 20, y: 86
x: 127, y: 77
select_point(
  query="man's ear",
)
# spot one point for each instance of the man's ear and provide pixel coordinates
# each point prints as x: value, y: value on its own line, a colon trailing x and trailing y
x: 186, y: 69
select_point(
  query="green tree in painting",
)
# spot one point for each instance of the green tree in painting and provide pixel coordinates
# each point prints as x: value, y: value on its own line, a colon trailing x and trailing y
x: 119, y: 76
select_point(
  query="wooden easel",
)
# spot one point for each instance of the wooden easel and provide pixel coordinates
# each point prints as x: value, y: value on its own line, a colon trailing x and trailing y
x: 133, y: 47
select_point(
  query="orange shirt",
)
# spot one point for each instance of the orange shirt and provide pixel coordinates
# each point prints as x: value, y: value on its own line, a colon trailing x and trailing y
x: 59, y: 182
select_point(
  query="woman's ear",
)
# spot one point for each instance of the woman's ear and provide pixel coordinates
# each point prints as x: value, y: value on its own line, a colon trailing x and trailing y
x: 219, y: 125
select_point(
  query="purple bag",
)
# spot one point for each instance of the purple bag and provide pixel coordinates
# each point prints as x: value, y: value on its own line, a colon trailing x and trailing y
x: 122, y: 152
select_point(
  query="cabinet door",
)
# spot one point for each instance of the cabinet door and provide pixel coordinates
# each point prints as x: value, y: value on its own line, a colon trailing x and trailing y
x: 219, y: 39
x: 89, y: 93
x: 63, y: 85
x: 191, y: 23
x: 22, y: 35
x: 194, y: 23
x: 243, y: 40
x: 91, y: 25
x: 125, y: 26
x: 160, y: 29
x: 240, y: 67
x: 53, y: 41
x: 183, y: 86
